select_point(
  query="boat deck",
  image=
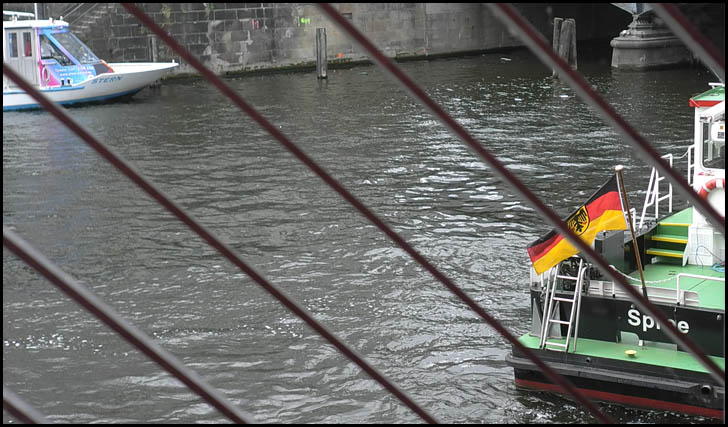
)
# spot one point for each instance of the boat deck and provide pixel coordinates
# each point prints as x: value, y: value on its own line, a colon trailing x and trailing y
x: 649, y: 355
x: 711, y: 294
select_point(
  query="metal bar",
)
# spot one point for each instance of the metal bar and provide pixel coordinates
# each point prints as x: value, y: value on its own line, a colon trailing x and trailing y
x: 20, y: 409
x: 84, y: 8
x: 523, y: 191
x: 520, y: 189
x: 544, y: 317
x: 693, y: 39
x: 539, y: 46
x: 578, y: 311
x: 211, y: 239
x: 115, y: 321
x: 635, y: 246
x: 577, y: 292
x: 280, y: 137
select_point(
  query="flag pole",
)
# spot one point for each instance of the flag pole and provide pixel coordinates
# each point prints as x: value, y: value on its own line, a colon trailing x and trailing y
x: 623, y: 193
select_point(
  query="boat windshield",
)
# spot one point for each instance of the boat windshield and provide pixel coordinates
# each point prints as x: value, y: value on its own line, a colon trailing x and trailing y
x: 49, y: 51
x: 76, y: 48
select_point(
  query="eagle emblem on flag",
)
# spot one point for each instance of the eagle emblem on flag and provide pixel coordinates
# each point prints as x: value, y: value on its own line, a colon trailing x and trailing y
x: 579, y: 221
x: 602, y: 212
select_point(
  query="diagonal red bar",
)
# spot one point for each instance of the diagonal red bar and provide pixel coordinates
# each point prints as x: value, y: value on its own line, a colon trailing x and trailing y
x: 115, y: 321
x: 518, y: 186
x: 213, y: 241
x: 693, y: 39
x: 533, y: 39
x: 20, y: 409
x: 543, y: 50
x: 281, y: 138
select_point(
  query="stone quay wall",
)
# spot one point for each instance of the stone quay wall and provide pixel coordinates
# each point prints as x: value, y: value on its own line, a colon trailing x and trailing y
x: 242, y: 37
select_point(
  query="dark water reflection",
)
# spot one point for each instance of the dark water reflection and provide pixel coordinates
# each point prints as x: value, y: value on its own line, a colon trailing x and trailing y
x: 283, y: 220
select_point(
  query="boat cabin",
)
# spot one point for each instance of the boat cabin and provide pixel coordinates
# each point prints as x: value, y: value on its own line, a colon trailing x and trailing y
x: 706, y: 172
x: 709, y: 146
x: 46, y: 53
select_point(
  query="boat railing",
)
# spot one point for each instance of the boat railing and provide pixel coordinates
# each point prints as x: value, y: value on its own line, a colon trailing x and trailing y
x: 77, y: 12
x: 682, y: 298
x: 656, y: 294
x: 15, y: 15
x: 653, y: 197
x: 633, y: 213
x: 691, y: 164
x: 527, y: 33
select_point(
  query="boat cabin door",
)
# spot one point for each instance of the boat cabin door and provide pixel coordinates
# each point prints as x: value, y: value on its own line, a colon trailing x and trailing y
x: 20, y: 53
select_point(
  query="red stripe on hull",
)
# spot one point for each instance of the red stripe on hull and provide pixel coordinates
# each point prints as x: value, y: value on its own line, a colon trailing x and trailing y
x: 627, y: 400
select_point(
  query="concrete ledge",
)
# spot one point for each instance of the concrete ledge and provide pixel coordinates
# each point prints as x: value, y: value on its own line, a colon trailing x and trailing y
x: 310, y: 66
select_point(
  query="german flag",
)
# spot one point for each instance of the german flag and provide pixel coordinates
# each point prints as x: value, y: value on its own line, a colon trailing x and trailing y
x: 603, y: 211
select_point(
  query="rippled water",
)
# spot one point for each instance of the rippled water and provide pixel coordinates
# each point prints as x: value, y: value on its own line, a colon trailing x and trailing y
x: 221, y: 167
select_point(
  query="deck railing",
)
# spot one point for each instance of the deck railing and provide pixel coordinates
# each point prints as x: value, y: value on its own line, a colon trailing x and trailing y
x: 653, y: 198
x: 680, y: 298
x: 534, y: 41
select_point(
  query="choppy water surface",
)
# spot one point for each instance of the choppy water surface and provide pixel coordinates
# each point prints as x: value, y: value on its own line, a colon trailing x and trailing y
x: 220, y: 166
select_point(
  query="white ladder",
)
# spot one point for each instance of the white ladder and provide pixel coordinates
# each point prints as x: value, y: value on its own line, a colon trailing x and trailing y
x: 653, y: 198
x: 551, y: 311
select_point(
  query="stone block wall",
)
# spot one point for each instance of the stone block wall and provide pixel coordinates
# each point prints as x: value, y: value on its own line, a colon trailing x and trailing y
x: 231, y: 37
x: 250, y: 36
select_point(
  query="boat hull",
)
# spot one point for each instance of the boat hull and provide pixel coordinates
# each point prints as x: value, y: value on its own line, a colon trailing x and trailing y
x: 126, y: 80
x: 623, y: 383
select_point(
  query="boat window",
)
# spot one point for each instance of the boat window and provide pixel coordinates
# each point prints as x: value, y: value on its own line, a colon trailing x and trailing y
x: 713, y: 150
x: 26, y: 44
x: 50, y: 51
x: 13, y: 45
x: 76, y: 48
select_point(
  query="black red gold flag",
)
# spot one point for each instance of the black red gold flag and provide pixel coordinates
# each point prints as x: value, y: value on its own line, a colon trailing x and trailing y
x: 603, y: 211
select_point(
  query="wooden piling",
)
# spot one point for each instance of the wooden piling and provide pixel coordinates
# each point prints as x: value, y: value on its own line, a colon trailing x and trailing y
x: 557, y: 32
x: 564, y: 41
x: 321, y: 59
x: 572, y: 51
x: 153, y: 47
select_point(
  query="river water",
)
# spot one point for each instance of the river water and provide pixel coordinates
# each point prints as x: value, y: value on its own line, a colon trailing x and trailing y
x: 220, y: 166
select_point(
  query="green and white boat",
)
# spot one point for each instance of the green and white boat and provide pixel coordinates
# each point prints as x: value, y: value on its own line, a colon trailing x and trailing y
x: 589, y: 330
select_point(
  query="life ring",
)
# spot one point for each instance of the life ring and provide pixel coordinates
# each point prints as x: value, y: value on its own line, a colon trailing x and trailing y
x: 710, y: 186
x: 111, y: 70
x: 45, y: 74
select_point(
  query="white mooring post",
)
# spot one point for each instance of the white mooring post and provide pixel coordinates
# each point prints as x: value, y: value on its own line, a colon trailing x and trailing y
x: 321, y: 60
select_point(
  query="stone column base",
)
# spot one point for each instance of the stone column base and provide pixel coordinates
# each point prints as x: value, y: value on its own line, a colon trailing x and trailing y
x: 648, y: 44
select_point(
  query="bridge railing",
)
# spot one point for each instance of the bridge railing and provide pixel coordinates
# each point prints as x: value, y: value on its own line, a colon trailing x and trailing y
x: 532, y: 39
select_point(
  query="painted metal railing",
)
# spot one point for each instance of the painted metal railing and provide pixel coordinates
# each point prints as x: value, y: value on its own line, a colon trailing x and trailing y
x: 73, y: 14
x: 538, y: 44
x: 532, y: 39
x: 528, y: 34
x: 653, y: 198
x: 680, y: 298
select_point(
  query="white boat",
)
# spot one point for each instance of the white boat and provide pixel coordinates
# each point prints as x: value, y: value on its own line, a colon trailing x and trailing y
x: 50, y: 57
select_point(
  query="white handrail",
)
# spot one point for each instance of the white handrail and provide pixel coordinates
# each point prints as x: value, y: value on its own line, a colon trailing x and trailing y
x: 678, y: 299
x: 582, y: 275
x: 15, y: 15
x: 691, y: 164
x: 653, y: 198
